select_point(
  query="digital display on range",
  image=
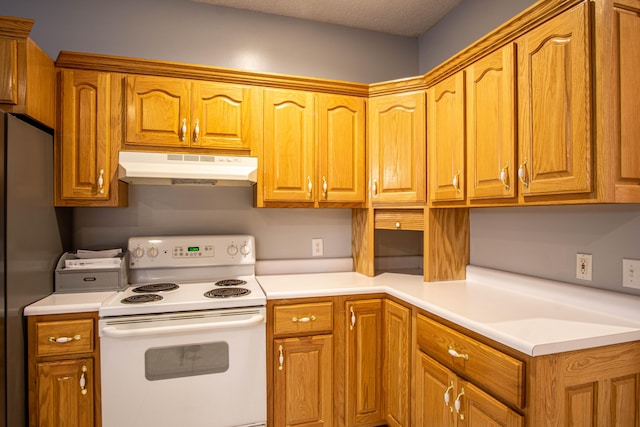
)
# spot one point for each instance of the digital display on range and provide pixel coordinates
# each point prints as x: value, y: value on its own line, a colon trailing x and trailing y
x: 193, y: 249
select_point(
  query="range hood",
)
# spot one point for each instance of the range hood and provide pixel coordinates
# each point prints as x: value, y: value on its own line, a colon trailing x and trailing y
x: 186, y: 169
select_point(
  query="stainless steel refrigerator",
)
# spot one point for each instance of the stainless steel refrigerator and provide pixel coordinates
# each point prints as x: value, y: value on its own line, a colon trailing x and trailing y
x: 30, y: 243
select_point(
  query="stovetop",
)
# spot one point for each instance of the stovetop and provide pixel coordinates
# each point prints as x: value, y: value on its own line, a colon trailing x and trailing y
x: 207, y: 272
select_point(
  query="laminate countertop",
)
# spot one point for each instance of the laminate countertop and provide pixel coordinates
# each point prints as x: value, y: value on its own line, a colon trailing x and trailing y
x: 534, y: 316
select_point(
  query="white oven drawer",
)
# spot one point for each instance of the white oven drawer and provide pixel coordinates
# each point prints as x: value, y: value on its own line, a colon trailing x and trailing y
x: 196, y: 369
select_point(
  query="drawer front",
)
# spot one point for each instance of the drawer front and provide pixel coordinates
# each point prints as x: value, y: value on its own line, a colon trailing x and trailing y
x: 492, y: 370
x: 303, y: 318
x: 64, y: 337
x: 397, y: 219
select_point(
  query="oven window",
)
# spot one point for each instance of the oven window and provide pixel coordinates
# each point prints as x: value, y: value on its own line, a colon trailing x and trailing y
x: 179, y: 361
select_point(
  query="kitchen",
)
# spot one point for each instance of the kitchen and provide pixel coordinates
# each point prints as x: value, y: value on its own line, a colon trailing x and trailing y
x: 608, y: 232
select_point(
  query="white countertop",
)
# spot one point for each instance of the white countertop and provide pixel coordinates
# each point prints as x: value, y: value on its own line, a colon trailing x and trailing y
x: 531, y: 315
x: 59, y: 303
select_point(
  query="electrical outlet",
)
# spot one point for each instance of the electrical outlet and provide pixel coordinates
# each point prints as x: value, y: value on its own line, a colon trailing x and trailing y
x: 583, y: 266
x: 631, y: 273
x: 317, y: 248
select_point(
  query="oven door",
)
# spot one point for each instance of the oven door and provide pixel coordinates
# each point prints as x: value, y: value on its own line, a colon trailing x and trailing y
x: 194, y: 369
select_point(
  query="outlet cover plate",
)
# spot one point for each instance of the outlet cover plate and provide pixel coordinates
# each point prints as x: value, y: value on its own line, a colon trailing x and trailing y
x: 584, y: 267
x: 317, y: 247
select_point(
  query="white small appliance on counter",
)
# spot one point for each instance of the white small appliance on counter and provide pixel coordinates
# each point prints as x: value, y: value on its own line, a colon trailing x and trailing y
x: 185, y: 343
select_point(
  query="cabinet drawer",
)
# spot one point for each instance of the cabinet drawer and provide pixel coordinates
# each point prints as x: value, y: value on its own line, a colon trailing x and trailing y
x: 64, y: 337
x: 397, y: 219
x: 490, y: 369
x: 303, y: 318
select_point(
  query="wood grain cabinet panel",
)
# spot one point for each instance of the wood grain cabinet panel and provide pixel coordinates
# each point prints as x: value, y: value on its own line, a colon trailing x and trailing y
x: 555, y: 106
x: 446, y: 128
x: 397, y: 364
x: 309, y: 318
x: 491, y: 126
x: 397, y: 148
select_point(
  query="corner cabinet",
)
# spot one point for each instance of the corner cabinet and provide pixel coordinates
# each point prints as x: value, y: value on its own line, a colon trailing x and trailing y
x: 87, y: 142
x: 313, y: 150
x: 397, y: 148
x: 165, y: 113
x: 64, y: 371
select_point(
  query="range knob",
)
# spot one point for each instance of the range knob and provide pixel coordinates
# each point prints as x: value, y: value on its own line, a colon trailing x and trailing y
x: 245, y: 249
x: 153, y: 252
x: 138, y: 252
x: 232, y: 250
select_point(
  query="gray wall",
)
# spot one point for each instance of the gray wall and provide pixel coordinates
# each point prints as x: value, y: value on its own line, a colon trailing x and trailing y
x: 198, y: 33
x: 468, y: 22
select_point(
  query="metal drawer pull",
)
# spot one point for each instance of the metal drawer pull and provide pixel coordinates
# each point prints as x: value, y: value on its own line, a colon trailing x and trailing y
x: 62, y: 340
x: 183, y: 130
x: 101, y: 181
x: 454, y: 353
x: 324, y: 187
x: 196, y: 131
x: 280, y: 358
x: 504, y: 177
x: 309, y: 187
x: 303, y: 319
x: 447, y: 397
x: 459, y: 404
x: 398, y: 225
x: 83, y: 381
x: 374, y: 187
x: 353, y: 319
x: 456, y: 181
x: 522, y: 173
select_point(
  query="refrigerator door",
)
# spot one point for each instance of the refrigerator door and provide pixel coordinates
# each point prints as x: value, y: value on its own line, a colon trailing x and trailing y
x: 32, y: 245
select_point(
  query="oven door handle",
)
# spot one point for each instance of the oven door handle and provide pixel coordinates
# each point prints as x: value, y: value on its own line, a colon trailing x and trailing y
x: 114, y: 331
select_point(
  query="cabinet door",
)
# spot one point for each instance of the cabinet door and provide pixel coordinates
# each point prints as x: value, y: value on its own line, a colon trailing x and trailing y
x: 9, y: 71
x: 478, y: 409
x: 303, y: 381
x: 289, y: 165
x: 341, y: 149
x: 364, y: 403
x: 554, y: 96
x: 397, y: 138
x: 446, y: 139
x: 434, y: 384
x: 158, y: 112
x: 84, y: 139
x: 491, y: 124
x: 224, y: 116
x: 397, y: 364
x: 65, y: 393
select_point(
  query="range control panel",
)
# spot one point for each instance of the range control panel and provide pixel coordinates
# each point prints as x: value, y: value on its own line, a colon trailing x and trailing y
x: 188, y: 251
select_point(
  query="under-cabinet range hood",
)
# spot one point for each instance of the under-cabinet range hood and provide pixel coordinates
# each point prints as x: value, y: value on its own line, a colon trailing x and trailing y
x: 186, y: 169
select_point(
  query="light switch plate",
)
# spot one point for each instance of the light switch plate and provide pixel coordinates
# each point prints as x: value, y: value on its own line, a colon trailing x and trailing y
x: 631, y: 273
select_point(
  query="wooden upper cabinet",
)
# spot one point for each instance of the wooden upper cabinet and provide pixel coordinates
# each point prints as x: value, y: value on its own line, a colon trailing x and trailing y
x: 289, y: 143
x: 27, y: 73
x: 554, y: 96
x: 397, y: 147
x: 619, y: 86
x: 157, y: 111
x: 446, y: 128
x: 491, y: 126
x: 341, y: 149
x: 83, y: 146
x: 168, y: 112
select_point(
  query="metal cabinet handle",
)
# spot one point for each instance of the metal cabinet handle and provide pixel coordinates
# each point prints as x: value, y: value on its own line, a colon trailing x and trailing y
x: 398, y: 225
x: 303, y: 319
x: 522, y: 173
x: 374, y: 187
x: 62, y: 340
x: 504, y: 176
x: 101, y: 181
x: 458, y: 404
x: 83, y: 381
x: 196, y: 131
x: 353, y: 319
x: 309, y: 187
x: 324, y: 187
x: 456, y: 181
x: 454, y: 353
x: 280, y: 358
x: 447, y: 397
x: 183, y: 130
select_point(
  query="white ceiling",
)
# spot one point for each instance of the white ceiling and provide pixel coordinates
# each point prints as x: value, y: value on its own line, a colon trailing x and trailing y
x: 401, y: 17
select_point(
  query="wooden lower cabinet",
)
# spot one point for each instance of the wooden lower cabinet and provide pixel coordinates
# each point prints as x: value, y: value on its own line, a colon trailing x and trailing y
x: 444, y: 399
x: 397, y: 364
x: 303, y: 381
x: 64, y: 370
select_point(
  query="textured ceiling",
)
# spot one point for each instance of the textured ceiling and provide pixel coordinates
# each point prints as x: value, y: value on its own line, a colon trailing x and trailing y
x: 401, y: 17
